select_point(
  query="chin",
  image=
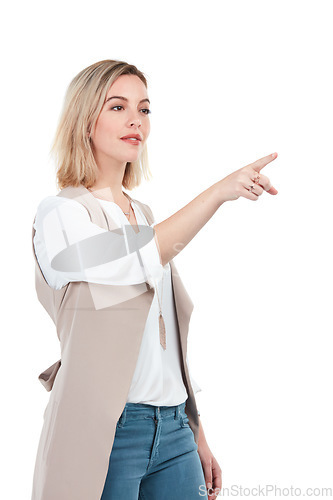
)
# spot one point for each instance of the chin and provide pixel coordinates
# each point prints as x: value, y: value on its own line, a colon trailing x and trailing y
x: 132, y: 158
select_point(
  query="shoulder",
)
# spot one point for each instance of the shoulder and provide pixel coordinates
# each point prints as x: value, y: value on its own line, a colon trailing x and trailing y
x: 52, y: 204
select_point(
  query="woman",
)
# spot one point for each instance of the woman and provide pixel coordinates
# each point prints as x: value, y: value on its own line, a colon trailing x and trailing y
x: 121, y: 421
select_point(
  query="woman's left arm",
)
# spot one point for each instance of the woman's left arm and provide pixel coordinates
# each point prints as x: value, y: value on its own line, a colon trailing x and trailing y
x: 212, y: 470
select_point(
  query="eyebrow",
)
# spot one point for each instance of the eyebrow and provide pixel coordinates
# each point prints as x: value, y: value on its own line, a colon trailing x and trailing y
x: 124, y: 99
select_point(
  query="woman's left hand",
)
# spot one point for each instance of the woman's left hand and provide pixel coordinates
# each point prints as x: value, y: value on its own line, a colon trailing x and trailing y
x: 212, y: 470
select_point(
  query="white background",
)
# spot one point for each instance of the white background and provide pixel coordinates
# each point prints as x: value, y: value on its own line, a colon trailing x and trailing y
x: 229, y: 82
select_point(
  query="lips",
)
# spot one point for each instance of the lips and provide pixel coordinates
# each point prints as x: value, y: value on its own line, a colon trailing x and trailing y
x: 136, y: 136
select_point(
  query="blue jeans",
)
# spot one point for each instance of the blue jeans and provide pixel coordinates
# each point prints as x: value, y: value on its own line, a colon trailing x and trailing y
x: 154, y: 456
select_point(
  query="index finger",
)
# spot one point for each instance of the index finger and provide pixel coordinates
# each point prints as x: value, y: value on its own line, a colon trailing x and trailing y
x: 259, y: 164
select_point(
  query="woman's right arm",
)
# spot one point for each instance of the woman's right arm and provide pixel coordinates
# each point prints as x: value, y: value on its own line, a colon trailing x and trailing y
x: 174, y: 233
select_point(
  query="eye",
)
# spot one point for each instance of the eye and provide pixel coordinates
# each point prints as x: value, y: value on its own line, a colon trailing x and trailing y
x: 146, y: 110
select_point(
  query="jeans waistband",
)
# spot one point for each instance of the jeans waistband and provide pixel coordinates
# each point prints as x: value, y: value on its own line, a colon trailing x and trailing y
x: 141, y: 410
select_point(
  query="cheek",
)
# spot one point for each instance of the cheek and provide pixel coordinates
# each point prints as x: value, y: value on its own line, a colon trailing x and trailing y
x: 147, y: 128
x: 106, y: 129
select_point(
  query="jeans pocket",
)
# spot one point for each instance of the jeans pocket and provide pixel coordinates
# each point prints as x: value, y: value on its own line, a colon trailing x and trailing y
x: 120, y: 424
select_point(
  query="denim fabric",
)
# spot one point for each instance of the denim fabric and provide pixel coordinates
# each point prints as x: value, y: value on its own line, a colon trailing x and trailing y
x: 154, y: 456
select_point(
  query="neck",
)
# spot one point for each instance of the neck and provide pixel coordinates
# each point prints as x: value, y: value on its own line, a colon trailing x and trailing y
x: 109, y: 178
x: 108, y: 193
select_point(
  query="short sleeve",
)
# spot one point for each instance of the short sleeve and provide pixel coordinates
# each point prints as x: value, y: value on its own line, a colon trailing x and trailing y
x: 62, y: 224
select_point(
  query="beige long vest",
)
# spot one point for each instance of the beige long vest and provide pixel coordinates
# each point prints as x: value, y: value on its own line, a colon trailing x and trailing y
x: 100, y: 344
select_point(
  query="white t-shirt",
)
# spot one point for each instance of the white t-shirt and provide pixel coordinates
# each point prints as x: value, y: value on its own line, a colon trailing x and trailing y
x: 61, y: 222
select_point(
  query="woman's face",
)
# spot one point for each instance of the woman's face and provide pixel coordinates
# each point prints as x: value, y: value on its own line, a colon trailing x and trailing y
x: 125, y: 115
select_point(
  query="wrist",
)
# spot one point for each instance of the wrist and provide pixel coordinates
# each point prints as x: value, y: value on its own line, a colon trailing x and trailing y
x: 218, y: 193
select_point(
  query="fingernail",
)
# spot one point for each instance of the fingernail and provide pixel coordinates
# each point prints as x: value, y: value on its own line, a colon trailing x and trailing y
x: 209, y: 485
x: 273, y: 154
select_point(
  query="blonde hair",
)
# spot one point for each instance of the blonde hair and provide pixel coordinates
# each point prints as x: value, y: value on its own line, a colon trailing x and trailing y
x: 83, y: 103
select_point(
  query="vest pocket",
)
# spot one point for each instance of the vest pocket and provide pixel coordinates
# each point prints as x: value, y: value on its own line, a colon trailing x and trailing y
x: 51, y: 419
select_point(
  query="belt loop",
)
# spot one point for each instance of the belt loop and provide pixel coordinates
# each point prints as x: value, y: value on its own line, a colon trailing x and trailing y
x: 177, y: 412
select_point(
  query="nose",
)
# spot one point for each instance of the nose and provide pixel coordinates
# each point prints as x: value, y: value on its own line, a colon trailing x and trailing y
x: 134, y: 119
x: 136, y: 122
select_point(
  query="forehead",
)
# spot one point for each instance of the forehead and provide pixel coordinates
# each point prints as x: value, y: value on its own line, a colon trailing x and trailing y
x: 128, y: 86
